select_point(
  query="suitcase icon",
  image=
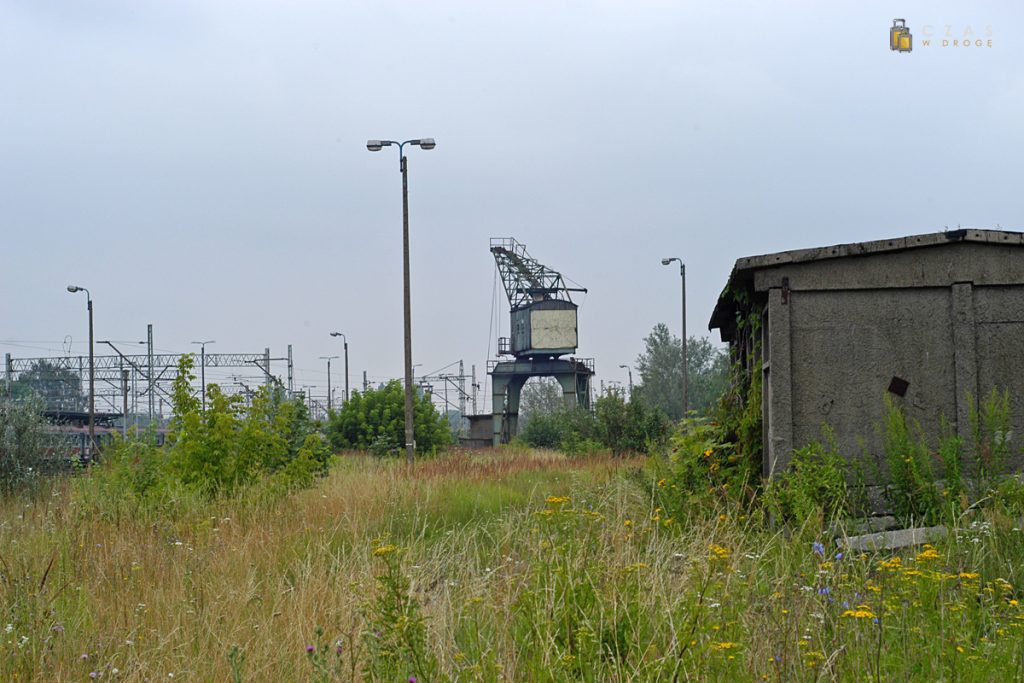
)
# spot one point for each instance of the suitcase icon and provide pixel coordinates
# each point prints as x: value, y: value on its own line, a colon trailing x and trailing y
x: 900, y: 39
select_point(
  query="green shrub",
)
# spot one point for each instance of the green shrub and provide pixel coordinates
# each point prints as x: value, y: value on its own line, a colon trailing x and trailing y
x: 990, y: 428
x: 571, y: 430
x: 814, y: 483
x: 911, y: 492
x: 629, y: 427
x: 374, y: 420
x: 22, y: 444
x: 218, y: 450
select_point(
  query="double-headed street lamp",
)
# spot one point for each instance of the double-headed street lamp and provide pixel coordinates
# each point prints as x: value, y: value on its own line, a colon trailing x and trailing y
x: 376, y: 146
x: 202, y: 365
x: 330, y: 405
x: 686, y: 367
x: 92, y: 373
x: 342, y: 335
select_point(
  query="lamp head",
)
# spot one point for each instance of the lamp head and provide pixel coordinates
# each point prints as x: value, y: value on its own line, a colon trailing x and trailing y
x: 376, y: 145
x: 425, y: 143
x: 73, y: 288
x: 666, y: 261
x: 624, y: 366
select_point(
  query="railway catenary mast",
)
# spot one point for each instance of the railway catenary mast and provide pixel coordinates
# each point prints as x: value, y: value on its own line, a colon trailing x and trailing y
x: 542, y: 330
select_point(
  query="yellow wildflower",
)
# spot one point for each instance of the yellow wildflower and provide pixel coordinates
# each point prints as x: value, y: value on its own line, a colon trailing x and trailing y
x: 557, y: 500
x: 718, y: 552
x: 858, y: 613
x: 726, y: 645
x: 929, y: 553
x: 894, y: 563
x: 383, y: 550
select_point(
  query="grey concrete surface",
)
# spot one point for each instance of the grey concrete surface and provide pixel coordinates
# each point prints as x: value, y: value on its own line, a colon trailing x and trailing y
x: 942, y: 314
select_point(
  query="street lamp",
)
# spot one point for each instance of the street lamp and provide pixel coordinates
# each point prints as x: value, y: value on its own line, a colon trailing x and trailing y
x: 202, y: 365
x: 328, y: 359
x: 376, y: 146
x: 686, y: 367
x: 342, y: 335
x: 92, y: 373
x: 630, y: 371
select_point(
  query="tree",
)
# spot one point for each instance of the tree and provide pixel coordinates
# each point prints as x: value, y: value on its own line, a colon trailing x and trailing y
x: 540, y: 396
x: 375, y: 421
x: 660, y: 370
x: 629, y: 427
x: 57, y: 388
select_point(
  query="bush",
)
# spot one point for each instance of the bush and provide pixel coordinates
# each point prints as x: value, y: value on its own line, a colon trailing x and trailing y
x: 22, y: 444
x: 629, y: 427
x: 815, y: 483
x: 221, y: 449
x: 571, y: 430
x: 375, y: 420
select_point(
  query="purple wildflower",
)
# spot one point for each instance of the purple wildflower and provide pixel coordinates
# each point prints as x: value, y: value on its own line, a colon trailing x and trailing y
x: 84, y: 657
x: 412, y: 679
x: 818, y: 549
x: 824, y: 590
x: 839, y: 556
x: 310, y: 649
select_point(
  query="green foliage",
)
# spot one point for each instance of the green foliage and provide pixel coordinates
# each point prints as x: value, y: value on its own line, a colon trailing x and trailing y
x: 814, y: 483
x: 219, y: 450
x: 629, y: 426
x: 22, y: 444
x: 540, y: 396
x: 375, y: 421
x: 55, y: 387
x: 990, y: 428
x: 660, y: 370
x: 911, y: 493
x: 700, y: 465
x: 571, y: 430
x: 740, y: 415
x: 395, y: 635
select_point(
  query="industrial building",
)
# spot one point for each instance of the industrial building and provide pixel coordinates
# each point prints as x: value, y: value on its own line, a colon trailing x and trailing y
x: 934, y: 320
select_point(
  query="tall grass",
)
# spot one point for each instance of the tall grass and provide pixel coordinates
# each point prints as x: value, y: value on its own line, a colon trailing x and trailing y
x: 513, y: 565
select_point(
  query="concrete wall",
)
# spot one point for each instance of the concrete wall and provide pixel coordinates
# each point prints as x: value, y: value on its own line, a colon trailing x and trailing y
x: 948, y: 319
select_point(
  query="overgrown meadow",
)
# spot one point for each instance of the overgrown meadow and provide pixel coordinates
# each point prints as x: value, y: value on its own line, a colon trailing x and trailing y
x: 512, y: 565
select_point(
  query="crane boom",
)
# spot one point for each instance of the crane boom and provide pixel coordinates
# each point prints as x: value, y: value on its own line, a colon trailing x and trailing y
x: 526, y: 280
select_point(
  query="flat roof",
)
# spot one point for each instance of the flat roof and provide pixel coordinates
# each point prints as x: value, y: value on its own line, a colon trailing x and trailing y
x: 744, y: 268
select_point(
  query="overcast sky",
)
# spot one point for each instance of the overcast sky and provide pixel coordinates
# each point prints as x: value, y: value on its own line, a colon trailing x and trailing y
x: 201, y: 165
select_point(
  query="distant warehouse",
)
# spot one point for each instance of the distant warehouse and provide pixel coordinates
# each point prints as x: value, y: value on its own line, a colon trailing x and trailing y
x: 932, y: 319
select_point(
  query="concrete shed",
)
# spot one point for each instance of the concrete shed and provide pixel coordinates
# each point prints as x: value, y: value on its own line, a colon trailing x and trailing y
x: 931, y: 319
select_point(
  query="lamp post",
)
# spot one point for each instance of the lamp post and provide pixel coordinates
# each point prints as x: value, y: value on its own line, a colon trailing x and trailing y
x: 376, y: 146
x: 630, y: 371
x: 342, y: 335
x: 92, y: 373
x: 202, y: 366
x: 686, y: 367
x: 330, y: 405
